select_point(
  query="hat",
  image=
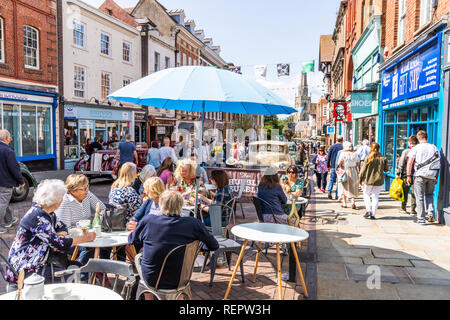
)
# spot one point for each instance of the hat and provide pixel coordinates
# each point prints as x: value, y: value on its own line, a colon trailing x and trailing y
x: 231, y: 161
x: 270, y: 171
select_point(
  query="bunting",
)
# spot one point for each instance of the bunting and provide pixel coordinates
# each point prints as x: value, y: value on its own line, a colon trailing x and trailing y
x: 260, y: 71
x: 283, y: 69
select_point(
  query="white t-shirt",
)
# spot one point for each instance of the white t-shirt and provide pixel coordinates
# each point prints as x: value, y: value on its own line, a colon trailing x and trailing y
x: 421, y: 153
x: 154, y: 209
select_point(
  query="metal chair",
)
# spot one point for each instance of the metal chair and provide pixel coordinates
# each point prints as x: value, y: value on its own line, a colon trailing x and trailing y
x: 258, y: 202
x: 184, y: 287
x: 103, y: 266
x: 226, y: 246
x: 11, y: 286
x: 239, y: 197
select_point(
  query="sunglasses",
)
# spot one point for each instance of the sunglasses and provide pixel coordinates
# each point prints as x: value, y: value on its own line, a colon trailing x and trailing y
x: 291, y: 172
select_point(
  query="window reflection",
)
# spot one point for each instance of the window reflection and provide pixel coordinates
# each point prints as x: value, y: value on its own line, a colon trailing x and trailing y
x: 28, y: 130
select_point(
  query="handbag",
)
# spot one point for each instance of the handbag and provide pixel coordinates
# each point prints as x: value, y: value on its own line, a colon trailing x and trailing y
x: 341, y: 175
x: 114, y: 218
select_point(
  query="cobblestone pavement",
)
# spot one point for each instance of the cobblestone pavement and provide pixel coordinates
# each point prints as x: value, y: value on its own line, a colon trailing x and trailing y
x: 413, y: 261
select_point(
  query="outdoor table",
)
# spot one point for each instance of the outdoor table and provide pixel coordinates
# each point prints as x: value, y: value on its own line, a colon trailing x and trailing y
x: 85, y: 291
x: 107, y: 240
x: 269, y: 233
x: 186, y: 210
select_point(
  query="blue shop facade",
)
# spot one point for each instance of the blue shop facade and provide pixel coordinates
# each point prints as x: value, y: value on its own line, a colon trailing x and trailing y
x: 411, y: 99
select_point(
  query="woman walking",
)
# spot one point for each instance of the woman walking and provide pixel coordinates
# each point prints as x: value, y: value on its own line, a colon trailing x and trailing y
x: 349, y: 162
x: 320, y: 161
x: 372, y: 179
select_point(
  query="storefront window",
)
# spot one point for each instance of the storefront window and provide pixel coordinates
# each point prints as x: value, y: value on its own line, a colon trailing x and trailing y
x: 401, y: 140
x: 28, y: 130
x: 44, y: 133
x: 11, y: 122
x: 113, y: 129
x: 71, y: 139
x: 389, y: 144
x: 415, y: 115
x: 390, y: 117
x: 402, y: 116
x: 100, y: 130
x: 86, y: 132
x: 124, y: 129
x: 424, y: 114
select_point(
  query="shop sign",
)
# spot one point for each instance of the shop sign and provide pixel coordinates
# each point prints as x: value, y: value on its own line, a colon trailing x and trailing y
x: 161, y: 130
x: 139, y: 116
x: 75, y: 112
x: 340, y: 111
x: 70, y: 112
x: 361, y: 102
x: 415, y: 75
x: 24, y: 97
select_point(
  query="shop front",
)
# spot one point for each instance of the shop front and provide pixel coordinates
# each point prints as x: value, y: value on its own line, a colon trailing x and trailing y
x: 140, y: 128
x: 411, y: 90
x: 160, y: 128
x: 83, y: 123
x: 365, y: 116
x: 29, y: 116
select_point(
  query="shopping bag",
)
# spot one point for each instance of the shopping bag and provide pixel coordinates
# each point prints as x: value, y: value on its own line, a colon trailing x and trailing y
x: 341, y: 175
x: 396, y: 190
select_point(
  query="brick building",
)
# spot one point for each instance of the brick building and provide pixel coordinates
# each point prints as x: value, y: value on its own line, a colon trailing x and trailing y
x: 28, y: 79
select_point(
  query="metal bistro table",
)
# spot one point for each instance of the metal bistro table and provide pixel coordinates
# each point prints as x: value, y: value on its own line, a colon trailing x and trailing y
x: 269, y: 233
x: 107, y: 240
x: 85, y: 291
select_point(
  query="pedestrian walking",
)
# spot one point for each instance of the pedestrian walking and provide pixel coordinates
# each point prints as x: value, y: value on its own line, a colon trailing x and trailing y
x: 425, y: 158
x: 167, y: 151
x: 321, y: 169
x: 371, y: 178
x: 218, y: 154
x: 204, y: 154
x: 301, y: 154
x: 235, y: 151
x: 363, y: 151
x: 127, y: 151
x: 401, y: 174
x: 349, y: 162
x: 331, y: 163
x: 10, y: 177
x: 153, y: 155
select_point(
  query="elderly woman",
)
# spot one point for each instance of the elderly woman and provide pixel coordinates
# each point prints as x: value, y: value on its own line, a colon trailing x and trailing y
x: 78, y: 203
x: 153, y: 188
x: 122, y: 193
x: 147, y: 172
x: 223, y: 196
x: 157, y: 235
x: 40, y: 232
x: 185, y: 176
x: 349, y: 162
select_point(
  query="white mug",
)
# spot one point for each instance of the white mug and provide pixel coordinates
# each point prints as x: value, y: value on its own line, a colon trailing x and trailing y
x: 98, y: 230
x: 83, y: 223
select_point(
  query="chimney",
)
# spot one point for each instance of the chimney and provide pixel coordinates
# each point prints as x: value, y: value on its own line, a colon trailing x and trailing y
x: 208, y: 42
x: 216, y: 49
x: 200, y: 34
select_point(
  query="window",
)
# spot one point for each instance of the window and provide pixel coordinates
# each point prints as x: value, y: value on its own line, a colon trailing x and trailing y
x: 126, y: 51
x: 106, y: 84
x: 157, y: 65
x: 79, y: 34
x: 189, y: 61
x: 167, y: 62
x: 126, y: 81
x: 105, y: 44
x: 79, y: 81
x: 401, y: 21
x: 2, y: 41
x: 425, y: 12
x: 31, y: 47
x: 363, y: 16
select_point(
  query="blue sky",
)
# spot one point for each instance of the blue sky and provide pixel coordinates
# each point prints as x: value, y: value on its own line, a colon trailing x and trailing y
x: 264, y: 32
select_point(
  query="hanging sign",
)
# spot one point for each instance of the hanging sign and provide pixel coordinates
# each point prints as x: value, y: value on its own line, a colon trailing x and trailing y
x: 362, y: 102
x: 340, y: 111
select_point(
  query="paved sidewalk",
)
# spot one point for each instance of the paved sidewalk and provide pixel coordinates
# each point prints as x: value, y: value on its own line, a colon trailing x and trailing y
x: 413, y: 260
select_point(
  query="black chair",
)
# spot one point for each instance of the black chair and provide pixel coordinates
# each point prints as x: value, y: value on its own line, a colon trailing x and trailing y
x: 10, y: 286
x: 258, y: 202
x: 105, y: 267
x: 226, y: 246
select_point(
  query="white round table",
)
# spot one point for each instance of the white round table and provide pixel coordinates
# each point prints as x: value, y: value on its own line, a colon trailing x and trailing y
x: 107, y: 240
x: 269, y: 233
x: 85, y: 291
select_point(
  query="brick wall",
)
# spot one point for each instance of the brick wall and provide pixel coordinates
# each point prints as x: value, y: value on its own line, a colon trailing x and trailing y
x: 110, y: 7
x: 39, y: 14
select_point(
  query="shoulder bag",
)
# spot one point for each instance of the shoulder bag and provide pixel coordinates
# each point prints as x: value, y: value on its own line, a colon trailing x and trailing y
x: 114, y: 218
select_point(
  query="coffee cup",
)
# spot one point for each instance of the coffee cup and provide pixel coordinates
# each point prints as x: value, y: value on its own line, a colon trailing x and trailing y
x: 60, y: 293
x: 98, y: 230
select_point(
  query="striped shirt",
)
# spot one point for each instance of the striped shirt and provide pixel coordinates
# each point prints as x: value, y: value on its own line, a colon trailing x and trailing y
x: 71, y: 211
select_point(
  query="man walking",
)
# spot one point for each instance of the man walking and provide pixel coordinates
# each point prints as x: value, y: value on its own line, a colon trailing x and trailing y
x: 331, y: 163
x: 10, y: 177
x: 167, y: 151
x: 401, y: 173
x: 425, y: 158
x: 364, y: 150
x: 127, y: 151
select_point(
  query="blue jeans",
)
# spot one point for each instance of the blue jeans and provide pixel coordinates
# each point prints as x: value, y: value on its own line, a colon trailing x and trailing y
x: 333, y: 180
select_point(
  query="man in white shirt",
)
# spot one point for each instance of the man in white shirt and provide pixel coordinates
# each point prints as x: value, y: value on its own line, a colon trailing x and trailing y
x: 425, y: 158
x: 364, y: 150
x: 167, y: 151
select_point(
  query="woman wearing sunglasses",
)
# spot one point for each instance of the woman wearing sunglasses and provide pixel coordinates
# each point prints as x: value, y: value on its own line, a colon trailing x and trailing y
x: 292, y: 183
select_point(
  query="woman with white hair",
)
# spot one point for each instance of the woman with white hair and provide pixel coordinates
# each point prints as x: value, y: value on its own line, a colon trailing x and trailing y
x: 157, y: 235
x: 40, y: 232
x: 349, y: 162
x: 147, y: 172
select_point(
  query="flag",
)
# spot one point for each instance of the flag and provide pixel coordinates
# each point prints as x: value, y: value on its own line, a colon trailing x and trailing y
x: 235, y: 69
x: 308, y: 66
x: 283, y: 69
x: 260, y: 71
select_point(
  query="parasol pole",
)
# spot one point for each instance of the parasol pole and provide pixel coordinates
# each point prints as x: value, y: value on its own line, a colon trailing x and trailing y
x: 198, y: 170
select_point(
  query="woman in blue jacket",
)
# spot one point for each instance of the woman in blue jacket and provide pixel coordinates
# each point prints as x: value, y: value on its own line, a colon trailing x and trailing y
x: 270, y: 190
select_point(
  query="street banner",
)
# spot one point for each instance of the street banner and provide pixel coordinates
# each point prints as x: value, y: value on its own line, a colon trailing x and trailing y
x: 235, y: 69
x: 283, y: 69
x: 260, y: 71
x: 308, y: 66
x: 340, y: 111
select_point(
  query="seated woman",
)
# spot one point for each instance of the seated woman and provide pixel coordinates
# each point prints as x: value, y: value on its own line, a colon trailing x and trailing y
x: 223, y: 196
x: 166, y: 171
x: 147, y: 172
x: 78, y: 203
x: 40, y: 232
x: 185, y: 177
x: 269, y: 189
x: 153, y: 188
x: 292, y: 183
x: 158, y: 235
x: 122, y: 193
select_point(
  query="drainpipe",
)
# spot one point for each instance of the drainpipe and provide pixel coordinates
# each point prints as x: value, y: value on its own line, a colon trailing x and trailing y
x: 176, y: 50
x: 59, y: 23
